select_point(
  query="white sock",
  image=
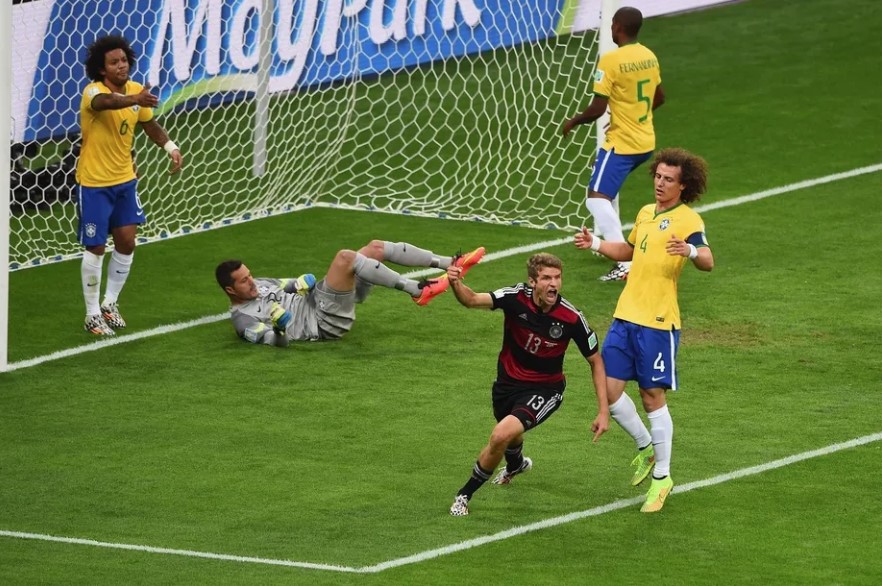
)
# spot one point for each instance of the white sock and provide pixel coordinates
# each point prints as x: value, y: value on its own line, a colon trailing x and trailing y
x: 625, y: 414
x: 362, y: 289
x: 662, y: 428
x: 90, y: 273
x: 607, y: 220
x: 375, y: 272
x: 117, y: 273
x: 409, y: 255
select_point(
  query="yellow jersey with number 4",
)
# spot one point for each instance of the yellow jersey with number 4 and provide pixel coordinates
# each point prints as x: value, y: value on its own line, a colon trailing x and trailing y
x: 108, y: 136
x: 650, y: 295
x: 627, y: 77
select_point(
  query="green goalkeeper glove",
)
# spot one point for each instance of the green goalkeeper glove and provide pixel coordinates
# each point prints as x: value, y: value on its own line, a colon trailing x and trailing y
x: 281, y: 317
x: 304, y: 283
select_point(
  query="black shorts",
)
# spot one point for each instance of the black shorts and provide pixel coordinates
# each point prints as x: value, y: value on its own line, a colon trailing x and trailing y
x: 531, y: 405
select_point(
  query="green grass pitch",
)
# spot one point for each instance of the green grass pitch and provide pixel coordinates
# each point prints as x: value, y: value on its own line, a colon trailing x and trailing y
x: 349, y: 454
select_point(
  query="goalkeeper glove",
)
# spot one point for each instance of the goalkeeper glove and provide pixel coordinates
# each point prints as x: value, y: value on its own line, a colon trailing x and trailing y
x: 304, y: 283
x: 281, y: 317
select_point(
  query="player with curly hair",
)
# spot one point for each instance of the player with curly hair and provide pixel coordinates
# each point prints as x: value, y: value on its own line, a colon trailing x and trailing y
x: 642, y: 341
x: 112, y: 106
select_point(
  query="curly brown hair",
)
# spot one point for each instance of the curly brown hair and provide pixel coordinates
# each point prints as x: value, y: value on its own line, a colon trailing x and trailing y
x: 693, y: 171
x: 541, y: 260
x: 95, y: 57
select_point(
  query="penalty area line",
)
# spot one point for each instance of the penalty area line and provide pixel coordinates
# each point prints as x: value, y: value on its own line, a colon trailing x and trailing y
x: 426, y: 272
x: 462, y: 545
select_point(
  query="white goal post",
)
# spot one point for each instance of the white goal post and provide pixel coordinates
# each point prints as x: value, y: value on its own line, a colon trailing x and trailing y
x: 5, y: 73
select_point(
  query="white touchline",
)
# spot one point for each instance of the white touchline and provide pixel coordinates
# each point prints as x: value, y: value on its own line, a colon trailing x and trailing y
x: 462, y: 545
x: 620, y: 504
x: 421, y: 273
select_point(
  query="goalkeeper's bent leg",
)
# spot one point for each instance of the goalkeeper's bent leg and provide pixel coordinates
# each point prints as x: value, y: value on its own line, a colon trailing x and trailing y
x: 408, y: 255
x: 375, y: 272
x: 362, y: 289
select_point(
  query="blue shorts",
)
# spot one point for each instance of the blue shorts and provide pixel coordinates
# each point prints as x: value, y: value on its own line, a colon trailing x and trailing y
x: 611, y: 170
x: 647, y: 355
x: 101, y: 209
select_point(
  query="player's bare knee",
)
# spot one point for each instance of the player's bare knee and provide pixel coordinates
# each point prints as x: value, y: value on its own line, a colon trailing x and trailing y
x: 653, y: 400
x: 124, y: 247
x: 345, y: 259
x: 374, y: 249
x: 502, y: 436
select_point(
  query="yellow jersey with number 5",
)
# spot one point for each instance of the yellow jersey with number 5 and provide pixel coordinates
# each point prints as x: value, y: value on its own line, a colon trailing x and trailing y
x: 108, y: 136
x: 627, y: 77
x: 650, y: 295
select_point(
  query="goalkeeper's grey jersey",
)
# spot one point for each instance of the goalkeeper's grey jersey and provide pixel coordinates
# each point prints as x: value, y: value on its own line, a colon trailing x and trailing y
x: 252, y: 318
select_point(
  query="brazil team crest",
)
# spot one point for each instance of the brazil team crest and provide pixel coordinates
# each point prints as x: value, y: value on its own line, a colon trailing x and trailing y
x: 663, y: 225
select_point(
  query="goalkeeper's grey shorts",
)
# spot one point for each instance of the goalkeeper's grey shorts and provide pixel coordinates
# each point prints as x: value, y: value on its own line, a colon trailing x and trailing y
x: 334, y: 310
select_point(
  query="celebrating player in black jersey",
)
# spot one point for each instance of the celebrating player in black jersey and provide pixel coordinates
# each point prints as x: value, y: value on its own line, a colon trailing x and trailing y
x: 530, y: 382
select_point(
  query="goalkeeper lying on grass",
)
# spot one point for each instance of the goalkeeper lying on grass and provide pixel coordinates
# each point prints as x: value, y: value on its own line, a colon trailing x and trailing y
x: 276, y: 311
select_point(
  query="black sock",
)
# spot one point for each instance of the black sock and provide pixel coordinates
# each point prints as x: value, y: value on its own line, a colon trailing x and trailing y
x: 479, y: 477
x: 514, y: 457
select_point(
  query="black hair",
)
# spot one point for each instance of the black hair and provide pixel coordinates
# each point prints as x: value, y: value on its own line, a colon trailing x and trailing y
x: 97, y: 50
x: 224, y: 272
x: 631, y: 20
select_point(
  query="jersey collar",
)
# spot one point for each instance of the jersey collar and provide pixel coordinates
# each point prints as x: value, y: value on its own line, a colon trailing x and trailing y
x: 657, y: 214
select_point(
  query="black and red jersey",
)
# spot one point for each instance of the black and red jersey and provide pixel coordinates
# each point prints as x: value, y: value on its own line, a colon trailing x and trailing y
x: 534, y: 343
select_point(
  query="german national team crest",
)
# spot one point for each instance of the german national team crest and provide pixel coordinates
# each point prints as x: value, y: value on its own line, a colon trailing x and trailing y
x: 663, y: 225
x: 91, y: 229
x: 555, y: 331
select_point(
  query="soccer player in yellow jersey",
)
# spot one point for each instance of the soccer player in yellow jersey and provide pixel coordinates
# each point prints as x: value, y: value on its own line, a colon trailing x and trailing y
x: 628, y: 80
x: 108, y: 200
x: 642, y: 341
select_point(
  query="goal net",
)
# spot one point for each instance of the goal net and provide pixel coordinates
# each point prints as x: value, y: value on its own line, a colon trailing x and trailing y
x: 445, y: 108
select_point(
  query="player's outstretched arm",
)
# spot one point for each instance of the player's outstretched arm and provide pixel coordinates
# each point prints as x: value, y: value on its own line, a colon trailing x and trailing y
x: 114, y: 101
x: 620, y: 251
x: 464, y: 294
